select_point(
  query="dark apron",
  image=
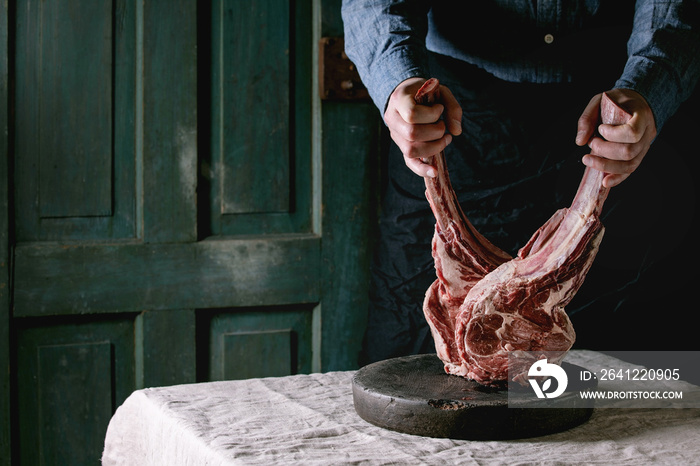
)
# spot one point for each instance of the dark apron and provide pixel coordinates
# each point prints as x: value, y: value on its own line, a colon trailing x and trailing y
x: 515, y: 164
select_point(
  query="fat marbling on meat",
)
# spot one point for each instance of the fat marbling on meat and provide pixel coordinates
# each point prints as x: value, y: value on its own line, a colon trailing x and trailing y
x: 484, y: 304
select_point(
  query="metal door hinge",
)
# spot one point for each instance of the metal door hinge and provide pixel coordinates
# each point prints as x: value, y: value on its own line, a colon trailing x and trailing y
x: 338, y: 77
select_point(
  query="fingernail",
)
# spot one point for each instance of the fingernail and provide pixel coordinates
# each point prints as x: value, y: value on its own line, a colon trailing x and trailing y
x: 431, y: 173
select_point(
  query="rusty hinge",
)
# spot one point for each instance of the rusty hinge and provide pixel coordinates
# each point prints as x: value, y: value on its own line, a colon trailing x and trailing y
x: 338, y: 78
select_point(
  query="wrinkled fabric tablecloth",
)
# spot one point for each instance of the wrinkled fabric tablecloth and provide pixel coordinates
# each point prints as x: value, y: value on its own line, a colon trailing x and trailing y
x: 310, y: 419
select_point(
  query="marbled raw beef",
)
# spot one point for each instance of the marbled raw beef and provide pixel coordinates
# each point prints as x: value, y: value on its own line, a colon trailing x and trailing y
x: 485, y: 305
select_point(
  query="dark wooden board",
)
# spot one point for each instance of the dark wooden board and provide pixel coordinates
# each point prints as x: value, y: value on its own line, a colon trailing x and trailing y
x: 414, y: 395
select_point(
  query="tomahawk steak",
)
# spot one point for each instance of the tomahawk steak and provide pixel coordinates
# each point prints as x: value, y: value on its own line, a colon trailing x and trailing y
x: 485, y: 305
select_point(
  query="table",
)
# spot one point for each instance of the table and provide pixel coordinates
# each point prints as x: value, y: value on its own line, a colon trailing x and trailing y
x: 310, y: 419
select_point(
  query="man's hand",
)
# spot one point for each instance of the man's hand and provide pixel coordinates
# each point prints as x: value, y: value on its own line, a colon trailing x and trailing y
x: 417, y: 129
x: 617, y: 150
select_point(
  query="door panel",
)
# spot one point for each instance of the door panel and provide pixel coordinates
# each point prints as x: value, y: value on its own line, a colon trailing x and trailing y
x: 74, y: 138
x: 62, y: 368
x: 254, y: 158
x: 258, y: 342
x: 165, y: 347
x: 75, y: 81
x: 260, y: 166
x: 166, y: 121
x: 72, y: 376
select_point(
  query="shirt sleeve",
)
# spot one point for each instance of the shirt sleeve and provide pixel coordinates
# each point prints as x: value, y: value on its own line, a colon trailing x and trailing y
x: 663, y: 62
x: 386, y: 42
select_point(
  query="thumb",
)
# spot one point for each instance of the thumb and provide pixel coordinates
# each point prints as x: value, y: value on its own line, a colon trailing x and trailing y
x: 588, y: 121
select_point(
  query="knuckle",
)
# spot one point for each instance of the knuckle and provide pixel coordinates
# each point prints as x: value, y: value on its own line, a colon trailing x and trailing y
x: 411, y: 133
x: 628, y: 169
x: 628, y: 152
x: 412, y: 152
x: 635, y: 165
x: 598, y: 163
x: 411, y: 115
x: 637, y: 132
x: 446, y: 140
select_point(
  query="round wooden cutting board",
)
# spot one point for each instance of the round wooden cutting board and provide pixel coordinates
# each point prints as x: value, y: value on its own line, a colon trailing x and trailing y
x: 414, y: 395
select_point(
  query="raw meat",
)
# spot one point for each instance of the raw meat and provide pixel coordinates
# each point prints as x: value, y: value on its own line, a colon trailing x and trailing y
x: 485, y: 305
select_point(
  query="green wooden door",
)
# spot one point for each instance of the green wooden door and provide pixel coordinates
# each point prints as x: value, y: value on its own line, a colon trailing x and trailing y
x: 180, y: 207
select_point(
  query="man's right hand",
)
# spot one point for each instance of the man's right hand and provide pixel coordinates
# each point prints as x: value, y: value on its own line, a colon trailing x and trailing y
x: 417, y: 129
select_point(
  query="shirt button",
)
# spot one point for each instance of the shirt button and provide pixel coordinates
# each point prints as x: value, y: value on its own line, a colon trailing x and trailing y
x: 548, y: 38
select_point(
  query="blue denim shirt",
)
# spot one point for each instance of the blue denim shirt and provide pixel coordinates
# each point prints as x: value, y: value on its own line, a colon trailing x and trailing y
x: 537, y: 41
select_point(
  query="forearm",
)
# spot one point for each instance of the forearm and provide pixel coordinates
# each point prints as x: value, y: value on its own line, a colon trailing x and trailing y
x: 664, y: 58
x: 386, y: 42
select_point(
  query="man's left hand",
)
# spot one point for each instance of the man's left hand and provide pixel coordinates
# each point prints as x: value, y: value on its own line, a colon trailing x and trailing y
x: 617, y: 150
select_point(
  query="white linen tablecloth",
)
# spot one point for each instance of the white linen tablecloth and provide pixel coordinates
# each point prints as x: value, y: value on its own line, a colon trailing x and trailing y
x: 310, y: 419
